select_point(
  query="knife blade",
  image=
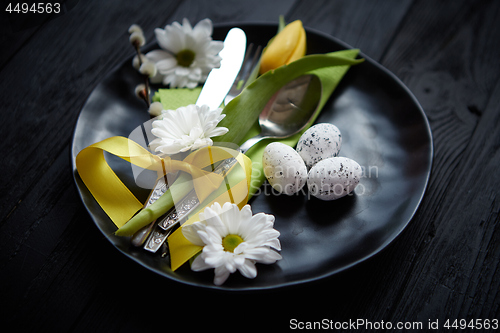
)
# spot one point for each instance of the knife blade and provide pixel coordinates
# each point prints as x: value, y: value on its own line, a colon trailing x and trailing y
x: 220, y: 80
x: 215, y: 89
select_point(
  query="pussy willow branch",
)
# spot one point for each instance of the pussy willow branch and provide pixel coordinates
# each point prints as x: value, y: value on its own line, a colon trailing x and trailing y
x: 146, y: 80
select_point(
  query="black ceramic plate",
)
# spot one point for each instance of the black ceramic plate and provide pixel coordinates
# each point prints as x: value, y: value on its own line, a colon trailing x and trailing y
x: 384, y: 129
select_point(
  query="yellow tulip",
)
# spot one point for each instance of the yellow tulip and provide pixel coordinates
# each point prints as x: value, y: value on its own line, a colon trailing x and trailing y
x: 287, y: 46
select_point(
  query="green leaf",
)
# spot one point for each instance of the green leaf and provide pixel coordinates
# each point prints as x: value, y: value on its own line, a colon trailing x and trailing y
x: 281, y: 23
x: 172, y: 99
x: 243, y: 111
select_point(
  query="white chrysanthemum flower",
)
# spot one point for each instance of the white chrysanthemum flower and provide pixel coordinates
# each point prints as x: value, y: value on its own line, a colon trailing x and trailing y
x: 188, y: 55
x: 233, y: 240
x: 187, y: 128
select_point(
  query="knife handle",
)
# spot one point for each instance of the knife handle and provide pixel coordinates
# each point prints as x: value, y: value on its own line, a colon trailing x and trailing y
x: 180, y: 212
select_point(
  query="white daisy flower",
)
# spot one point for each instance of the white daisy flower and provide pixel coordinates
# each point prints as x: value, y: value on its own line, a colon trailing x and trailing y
x: 233, y: 240
x: 187, y: 128
x: 188, y: 55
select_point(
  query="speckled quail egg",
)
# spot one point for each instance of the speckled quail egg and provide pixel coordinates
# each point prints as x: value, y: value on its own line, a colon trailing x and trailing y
x: 333, y: 178
x: 319, y: 142
x: 284, y: 168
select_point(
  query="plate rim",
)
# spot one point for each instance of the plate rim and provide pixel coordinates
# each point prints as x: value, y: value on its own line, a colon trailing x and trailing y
x: 286, y: 284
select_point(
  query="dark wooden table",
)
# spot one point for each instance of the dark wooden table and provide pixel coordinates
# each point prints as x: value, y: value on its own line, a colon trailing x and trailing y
x: 445, y: 265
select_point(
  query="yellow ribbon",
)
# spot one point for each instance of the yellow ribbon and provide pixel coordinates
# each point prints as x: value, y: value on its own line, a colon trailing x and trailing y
x: 115, y: 198
x: 181, y: 250
x: 120, y: 204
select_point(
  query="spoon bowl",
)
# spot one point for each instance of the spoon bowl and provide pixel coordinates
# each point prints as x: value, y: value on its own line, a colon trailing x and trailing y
x: 289, y: 110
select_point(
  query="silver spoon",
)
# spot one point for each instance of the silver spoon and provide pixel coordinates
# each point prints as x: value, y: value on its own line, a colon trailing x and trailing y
x: 288, y: 111
x: 286, y: 114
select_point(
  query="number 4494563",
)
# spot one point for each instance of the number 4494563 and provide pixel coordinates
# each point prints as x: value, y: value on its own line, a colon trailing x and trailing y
x: 479, y: 324
x: 36, y: 8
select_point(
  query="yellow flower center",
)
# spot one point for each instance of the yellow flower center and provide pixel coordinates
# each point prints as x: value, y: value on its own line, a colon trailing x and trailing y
x: 230, y: 242
x: 185, y: 57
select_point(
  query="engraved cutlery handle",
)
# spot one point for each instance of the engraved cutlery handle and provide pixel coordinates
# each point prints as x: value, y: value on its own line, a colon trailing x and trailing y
x: 142, y: 234
x: 176, y: 214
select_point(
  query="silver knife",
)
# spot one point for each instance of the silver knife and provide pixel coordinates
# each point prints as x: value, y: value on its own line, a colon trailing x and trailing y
x: 216, y: 87
x: 220, y: 80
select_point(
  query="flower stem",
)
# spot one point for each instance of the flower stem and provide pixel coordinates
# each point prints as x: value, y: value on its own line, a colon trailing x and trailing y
x: 146, y: 81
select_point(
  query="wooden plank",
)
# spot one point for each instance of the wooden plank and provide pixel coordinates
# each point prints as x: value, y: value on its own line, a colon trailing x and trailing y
x: 364, y: 24
x: 98, y: 51
x: 445, y: 264
x: 47, y: 82
x: 222, y: 11
x: 449, y: 64
x: 60, y: 73
x: 39, y: 204
x: 12, y: 41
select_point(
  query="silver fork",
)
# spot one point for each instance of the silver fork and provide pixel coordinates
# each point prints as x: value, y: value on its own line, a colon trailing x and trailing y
x: 247, y: 69
x: 154, y: 235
